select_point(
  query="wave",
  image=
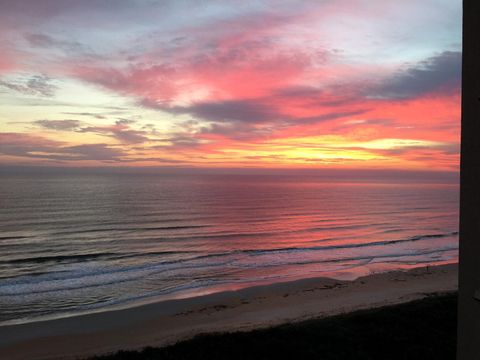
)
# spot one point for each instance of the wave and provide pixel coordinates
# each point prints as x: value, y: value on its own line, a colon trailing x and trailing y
x: 231, y: 235
x: 82, y: 257
x: 12, y: 237
x: 254, y: 252
x: 179, y: 227
x: 355, y: 245
x: 57, y: 258
x: 15, y: 290
x: 93, y: 276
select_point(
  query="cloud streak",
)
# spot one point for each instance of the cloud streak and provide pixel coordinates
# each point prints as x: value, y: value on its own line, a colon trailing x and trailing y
x: 440, y: 73
x: 30, y: 146
x: 217, y: 84
x: 39, y: 85
x: 61, y: 125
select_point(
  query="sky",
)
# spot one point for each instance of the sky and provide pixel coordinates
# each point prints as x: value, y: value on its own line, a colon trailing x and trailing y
x: 327, y: 84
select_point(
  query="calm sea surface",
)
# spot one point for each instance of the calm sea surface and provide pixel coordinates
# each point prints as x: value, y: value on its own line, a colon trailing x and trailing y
x: 83, y: 243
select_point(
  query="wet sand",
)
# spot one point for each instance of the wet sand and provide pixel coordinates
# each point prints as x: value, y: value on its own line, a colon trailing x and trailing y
x: 261, y: 306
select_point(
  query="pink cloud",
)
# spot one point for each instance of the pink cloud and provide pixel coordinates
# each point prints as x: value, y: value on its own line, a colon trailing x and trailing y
x: 243, y: 79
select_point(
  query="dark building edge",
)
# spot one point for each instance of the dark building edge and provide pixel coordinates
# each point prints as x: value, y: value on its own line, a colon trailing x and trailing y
x: 468, y: 346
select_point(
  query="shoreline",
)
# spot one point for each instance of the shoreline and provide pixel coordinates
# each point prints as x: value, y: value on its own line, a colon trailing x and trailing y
x: 166, y: 322
x: 234, y: 287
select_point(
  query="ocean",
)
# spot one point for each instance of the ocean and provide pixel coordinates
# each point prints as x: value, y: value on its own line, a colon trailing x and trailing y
x: 72, y: 244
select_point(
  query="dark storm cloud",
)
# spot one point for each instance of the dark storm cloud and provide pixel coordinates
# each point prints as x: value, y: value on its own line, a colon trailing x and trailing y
x: 441, y: 73
x: 230, y: 111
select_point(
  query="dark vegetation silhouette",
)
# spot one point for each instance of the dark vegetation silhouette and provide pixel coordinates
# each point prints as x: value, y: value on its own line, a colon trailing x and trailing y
x: 423, y: 329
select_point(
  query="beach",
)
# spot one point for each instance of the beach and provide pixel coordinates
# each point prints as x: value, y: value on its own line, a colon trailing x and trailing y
x: 167, y: 322
x: 174, y: 171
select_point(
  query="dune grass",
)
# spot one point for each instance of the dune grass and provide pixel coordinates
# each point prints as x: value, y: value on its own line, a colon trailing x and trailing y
x: 423, y: 329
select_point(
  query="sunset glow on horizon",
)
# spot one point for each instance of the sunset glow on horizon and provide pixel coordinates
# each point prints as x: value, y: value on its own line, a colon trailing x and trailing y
x: 355, y: 84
